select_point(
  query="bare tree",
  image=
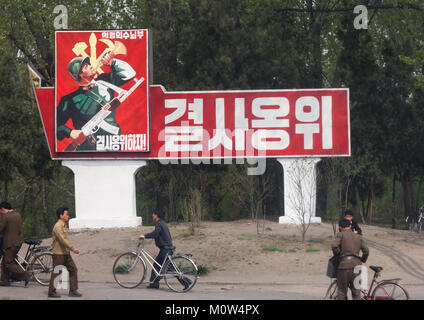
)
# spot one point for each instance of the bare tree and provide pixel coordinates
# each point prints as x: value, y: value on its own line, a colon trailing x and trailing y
x: 192, y: 212
x: 252, y: 190
x: 302, y: 197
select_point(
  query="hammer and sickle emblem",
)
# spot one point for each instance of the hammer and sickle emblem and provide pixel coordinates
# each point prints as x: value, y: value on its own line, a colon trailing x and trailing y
x: 116, y: 47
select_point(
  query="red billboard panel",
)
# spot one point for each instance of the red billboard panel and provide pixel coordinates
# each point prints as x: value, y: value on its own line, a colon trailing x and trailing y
x: 101, y: 97
x: 243, y: 124
x: 234, y: 124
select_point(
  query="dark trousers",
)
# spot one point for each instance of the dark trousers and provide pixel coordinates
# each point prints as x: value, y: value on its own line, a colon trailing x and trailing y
x: 68, y: 262
x: 345, y: 278
x: 159, y: 259
x: 9, y: 267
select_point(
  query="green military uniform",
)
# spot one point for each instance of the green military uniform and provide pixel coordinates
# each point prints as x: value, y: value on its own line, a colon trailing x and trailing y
x: 11, y: 226
x: 81, y: 105
x: 347, y: 246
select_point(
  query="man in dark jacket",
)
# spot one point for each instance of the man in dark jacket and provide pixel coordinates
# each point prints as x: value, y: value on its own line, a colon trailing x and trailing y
x: 349, y: 216
x: 163, y: 241
x: 347, y: 246
x: 11, y: 227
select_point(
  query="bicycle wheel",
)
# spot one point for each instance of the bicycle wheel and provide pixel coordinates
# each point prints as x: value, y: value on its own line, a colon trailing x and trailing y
x: 180, y: 273
x: 41, y: 267
x: 389, y: 291
x: 129, y: 270
x: 331, y: 293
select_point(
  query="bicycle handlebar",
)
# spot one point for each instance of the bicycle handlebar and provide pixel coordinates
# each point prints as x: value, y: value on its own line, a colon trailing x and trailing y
x: 140, y: 243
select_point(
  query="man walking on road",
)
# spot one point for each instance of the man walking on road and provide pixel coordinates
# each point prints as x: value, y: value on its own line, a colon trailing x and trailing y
x: 347, y: 246
x: 11, y: 227
x: 62, y: 248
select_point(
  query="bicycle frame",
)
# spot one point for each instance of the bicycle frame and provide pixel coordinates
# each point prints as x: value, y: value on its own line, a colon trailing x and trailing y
x: 30, y: 252
x: 367, y: 294
x: 20, y: 261
x: 150, y: 260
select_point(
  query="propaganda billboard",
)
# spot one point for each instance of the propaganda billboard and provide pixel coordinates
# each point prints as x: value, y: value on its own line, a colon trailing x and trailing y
x: 101, y: 91
x: 104, y: 107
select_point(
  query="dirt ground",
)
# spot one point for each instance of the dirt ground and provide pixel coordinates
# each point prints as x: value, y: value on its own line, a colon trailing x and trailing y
x: 234, y: 252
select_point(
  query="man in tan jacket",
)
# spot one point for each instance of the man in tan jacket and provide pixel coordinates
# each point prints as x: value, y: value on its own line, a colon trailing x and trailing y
x: 62, y: 248
x: 11, y: 227
x: 346, y: 247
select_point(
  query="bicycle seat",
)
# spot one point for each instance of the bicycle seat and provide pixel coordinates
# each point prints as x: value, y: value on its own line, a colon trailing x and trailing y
x: 31, y: 241
x: 376, y: 268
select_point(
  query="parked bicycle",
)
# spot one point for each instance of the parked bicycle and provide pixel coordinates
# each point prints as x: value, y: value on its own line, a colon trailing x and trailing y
x: 179, y: 271
x: 416, y: 224
x: 37, y: 261
x: 378, y: 290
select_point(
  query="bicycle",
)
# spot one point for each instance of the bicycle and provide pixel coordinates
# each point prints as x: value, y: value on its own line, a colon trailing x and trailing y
x: 416, y: 223
x: 384, y: 290
x: 37, y: 261
x: 179, y: 271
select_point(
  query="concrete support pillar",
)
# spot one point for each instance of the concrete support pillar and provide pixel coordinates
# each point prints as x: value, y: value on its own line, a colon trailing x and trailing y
x: 299, y: 191
x: 104, y: 193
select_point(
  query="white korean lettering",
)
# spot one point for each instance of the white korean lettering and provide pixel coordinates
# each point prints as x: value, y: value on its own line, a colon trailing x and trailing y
x: 220, y: 134
x: 241, y: 124
x: 180, y: 108
x: 281, y: 139
x: 327, y: 122
x: 195, y: 111
x: 179, y: 138
x: 303, y: 115
x: 270, y: 115
x: 307, y: 110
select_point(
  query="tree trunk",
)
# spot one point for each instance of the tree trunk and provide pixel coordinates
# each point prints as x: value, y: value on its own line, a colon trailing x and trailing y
x: 417, y: 196
x: 370, y: 200
x: 44, y: 202
x: 408, y: 195
x: 5, y: 194
x: 394, y: 204
x: 314, y: 34
x: 359, y: 204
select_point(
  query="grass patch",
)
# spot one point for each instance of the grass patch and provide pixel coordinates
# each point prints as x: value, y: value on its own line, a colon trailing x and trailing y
x: 312, y: 249
x: 273, y: 249
x: 203, y: 270
x: 316, y: 240
x: 292, y: 250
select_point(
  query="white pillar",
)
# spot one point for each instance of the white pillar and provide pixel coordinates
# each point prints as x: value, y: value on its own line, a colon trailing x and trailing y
x: 299, y: 191
x: 105, y: 194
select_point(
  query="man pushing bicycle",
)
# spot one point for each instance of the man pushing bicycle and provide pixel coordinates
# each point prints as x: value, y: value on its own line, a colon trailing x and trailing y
x: 163, y: 241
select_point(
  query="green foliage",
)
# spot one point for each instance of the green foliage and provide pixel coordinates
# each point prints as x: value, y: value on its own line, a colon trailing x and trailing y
x: 203, y: 270
x: 273, y: 249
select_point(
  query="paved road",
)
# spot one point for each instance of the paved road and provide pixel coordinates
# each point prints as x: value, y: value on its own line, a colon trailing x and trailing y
x: 202, y: 291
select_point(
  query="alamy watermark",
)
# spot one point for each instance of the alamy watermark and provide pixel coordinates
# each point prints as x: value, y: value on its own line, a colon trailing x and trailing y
x: 216, y: 150
x: 361, y: 20
x: 61, y: 20
x: 62, y: 280
x: 361, y: 281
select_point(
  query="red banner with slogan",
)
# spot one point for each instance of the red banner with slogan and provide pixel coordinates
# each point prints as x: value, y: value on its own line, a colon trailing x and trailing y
x: 235, y: 124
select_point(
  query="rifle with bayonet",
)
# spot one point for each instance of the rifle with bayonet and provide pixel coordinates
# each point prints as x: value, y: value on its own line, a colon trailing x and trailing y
x: 97, y: 121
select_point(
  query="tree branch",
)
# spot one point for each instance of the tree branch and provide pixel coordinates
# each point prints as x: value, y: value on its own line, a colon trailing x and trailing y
x: 406, y: 6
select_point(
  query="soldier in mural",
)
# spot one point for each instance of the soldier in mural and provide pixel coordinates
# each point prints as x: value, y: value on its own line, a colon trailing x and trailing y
x: 92, y: 96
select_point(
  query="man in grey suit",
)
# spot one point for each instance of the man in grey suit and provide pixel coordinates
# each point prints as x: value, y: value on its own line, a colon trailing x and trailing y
x: 347, y: 246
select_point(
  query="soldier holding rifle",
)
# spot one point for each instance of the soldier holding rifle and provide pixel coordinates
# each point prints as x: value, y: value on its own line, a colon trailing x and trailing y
x: 91, y: 96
